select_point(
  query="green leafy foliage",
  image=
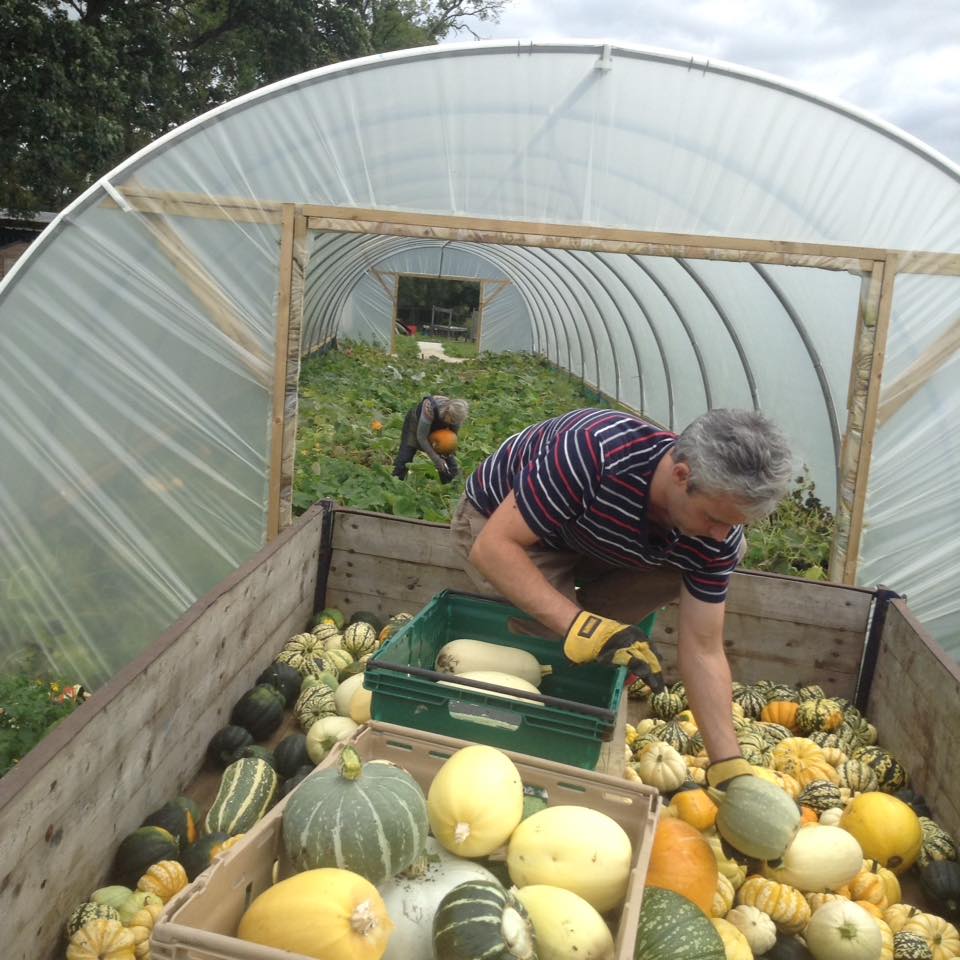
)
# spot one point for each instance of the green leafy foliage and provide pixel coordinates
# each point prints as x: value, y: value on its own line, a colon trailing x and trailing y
x: 88, y: 82
x: 29, y: 707
x: 341, y: 456
x: 795, y: 539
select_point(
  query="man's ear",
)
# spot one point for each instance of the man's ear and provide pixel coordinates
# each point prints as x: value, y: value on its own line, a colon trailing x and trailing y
x: 680, y: 473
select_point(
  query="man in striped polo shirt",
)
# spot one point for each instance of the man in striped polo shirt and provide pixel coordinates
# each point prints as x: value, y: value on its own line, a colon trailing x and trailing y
x: 635, y: 516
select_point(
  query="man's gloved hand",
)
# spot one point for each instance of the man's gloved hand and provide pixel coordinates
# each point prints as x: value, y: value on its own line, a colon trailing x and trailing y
x: 755, y: 817
x: 592, y: 637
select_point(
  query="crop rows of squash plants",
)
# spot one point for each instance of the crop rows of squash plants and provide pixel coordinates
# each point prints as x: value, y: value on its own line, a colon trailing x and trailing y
x: 462, y: 862
x: 353, y: 401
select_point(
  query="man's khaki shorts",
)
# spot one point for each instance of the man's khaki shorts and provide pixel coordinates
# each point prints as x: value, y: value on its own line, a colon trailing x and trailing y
x: 627, y: 594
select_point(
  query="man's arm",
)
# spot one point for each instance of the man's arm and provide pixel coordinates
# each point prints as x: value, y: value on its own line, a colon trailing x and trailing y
x: 706, y: 673
x: 499, y: 553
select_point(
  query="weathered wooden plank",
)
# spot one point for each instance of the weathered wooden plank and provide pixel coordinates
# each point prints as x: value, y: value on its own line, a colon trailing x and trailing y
x: 915, y: 704
x: 760, y: 649
x: 140, y: 739
x: 774, y: 597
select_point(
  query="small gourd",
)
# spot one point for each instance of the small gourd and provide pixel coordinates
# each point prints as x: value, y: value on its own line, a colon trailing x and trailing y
x: 722, y: 897
x: 481, y: 919
x: 661, y: 766
x: 784, y: 905
x: 942, y: 937
x: 818, y: 714
x: 756, y: 926
x: 101, y: 940
x: 89, y: 911
x: 910, y: 946
x: 165, y: 878
x: 735, y: 945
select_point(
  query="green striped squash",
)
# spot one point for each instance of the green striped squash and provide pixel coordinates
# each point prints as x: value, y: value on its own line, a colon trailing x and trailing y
x: 820, y: 795
x: 247, y: 790
x: 87, y: 912
x: 313, y: 704
x: 857, y: 776
x: 890, y: 774
x: 305, y: 664
x: 335, y: 661
x: 479, y: 919
x: 359, y: 639
x: 672, y: 927
x: 818, y: 714
x: 369, y: 818
x: 305, y: 643
x: 937, y: 843
x: 325, y: 632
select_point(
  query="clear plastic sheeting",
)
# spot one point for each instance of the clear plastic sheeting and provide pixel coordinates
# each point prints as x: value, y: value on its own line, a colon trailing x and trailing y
x: 134, y: 379
x: 913, y: 506
x: 138, y: 335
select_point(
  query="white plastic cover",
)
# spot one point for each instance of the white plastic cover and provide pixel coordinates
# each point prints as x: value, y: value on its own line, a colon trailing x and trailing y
x: 136, y: 348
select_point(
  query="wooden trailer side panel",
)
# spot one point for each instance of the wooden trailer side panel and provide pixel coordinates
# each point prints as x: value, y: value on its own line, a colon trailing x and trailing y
x: 390, y: 564
x: 778, y: 628
x: 786, y: 629
x: 140, y: 740
x: 914, y: 703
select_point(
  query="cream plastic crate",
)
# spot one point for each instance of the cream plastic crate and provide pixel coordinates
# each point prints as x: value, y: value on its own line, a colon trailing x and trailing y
x: 199, y: 923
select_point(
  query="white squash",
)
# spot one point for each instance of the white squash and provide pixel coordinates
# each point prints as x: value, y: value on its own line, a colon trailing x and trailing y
x: 566, y: 926
x: 465, y: 656
x: 756, y: 926
x: 412, y: 900
x: 660, y: 766
x: 344, y: 693
x: 831, y: 816
x: 818, y: 858
x: 841, y: 930
x: 361, y: 703
x: 475, y: 801
x: 499, y: 679
x: 579, y: 849
x: 325, y: 732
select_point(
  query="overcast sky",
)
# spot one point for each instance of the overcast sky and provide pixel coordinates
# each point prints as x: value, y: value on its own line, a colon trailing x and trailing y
x: 899, y: 61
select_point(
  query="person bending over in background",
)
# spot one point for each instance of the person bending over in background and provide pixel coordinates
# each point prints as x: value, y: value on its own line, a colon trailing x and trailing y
x: 635, y: 516
x: 421, y: 422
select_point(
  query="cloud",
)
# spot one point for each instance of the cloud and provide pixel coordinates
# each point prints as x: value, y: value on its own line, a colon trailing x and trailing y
x: 894, y: 60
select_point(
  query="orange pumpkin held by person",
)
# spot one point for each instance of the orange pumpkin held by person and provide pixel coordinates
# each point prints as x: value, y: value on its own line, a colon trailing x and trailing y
x: 443, y: 441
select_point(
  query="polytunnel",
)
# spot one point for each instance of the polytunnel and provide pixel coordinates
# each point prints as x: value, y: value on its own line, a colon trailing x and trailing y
x: 682, y: 234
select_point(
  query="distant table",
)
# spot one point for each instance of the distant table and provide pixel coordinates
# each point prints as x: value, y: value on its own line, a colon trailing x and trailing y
x: 442, y: 330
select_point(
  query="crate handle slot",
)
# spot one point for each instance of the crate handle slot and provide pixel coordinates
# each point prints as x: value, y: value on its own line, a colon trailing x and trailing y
x: 484, y: 715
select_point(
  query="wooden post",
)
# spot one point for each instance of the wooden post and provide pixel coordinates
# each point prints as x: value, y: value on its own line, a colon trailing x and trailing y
x: 863, y: 402
x: 286, y: 369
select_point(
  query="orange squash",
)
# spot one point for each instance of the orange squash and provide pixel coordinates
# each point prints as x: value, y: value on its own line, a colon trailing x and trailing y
x: 781, y: 711
x: 443, y: 441
x: 808, y: 815
x: 681, y: 860
x: 695, y: 807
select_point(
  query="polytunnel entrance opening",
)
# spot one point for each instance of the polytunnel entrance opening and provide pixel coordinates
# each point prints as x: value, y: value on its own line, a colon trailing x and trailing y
x: 446, y: 308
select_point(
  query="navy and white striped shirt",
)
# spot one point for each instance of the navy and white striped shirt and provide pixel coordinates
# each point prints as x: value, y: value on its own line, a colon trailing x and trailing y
x: 582, y: 483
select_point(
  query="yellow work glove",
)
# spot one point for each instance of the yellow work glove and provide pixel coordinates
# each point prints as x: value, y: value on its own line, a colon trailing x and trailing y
x: 591, y: 637
x: 754, y: 817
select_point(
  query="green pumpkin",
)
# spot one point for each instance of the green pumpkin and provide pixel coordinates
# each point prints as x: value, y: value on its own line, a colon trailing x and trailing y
x: 226, y: 742
x: 142, y: 849
x: 331, y: 615
x: 285, y: 679
x: 756, y: 818
x: 672, y: 927
x: 259, y: 710
x: 176, y: 819
x: 370, y: 818
x: 198, y: 856
x: 368, y: 617
x: 255, y: 752
x: 291, y: 754
x: 479, y: 918
x: 940, y: 880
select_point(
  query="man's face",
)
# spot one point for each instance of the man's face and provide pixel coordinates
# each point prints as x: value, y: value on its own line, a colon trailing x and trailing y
x: 699, y: 514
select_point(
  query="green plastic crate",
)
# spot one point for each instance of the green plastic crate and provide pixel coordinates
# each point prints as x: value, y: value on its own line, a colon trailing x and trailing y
x: 579, y: 703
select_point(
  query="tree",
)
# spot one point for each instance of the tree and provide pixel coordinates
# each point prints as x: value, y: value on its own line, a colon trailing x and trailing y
x: 85, y: 83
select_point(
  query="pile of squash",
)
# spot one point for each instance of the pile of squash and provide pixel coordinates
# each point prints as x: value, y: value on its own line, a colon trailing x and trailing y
x: 319, y: 677
x: 836, y: 893
x: 383, y: 867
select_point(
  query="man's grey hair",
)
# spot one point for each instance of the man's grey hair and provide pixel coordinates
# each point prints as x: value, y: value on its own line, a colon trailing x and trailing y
x: 455, y: 411
x: 737, y: 453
